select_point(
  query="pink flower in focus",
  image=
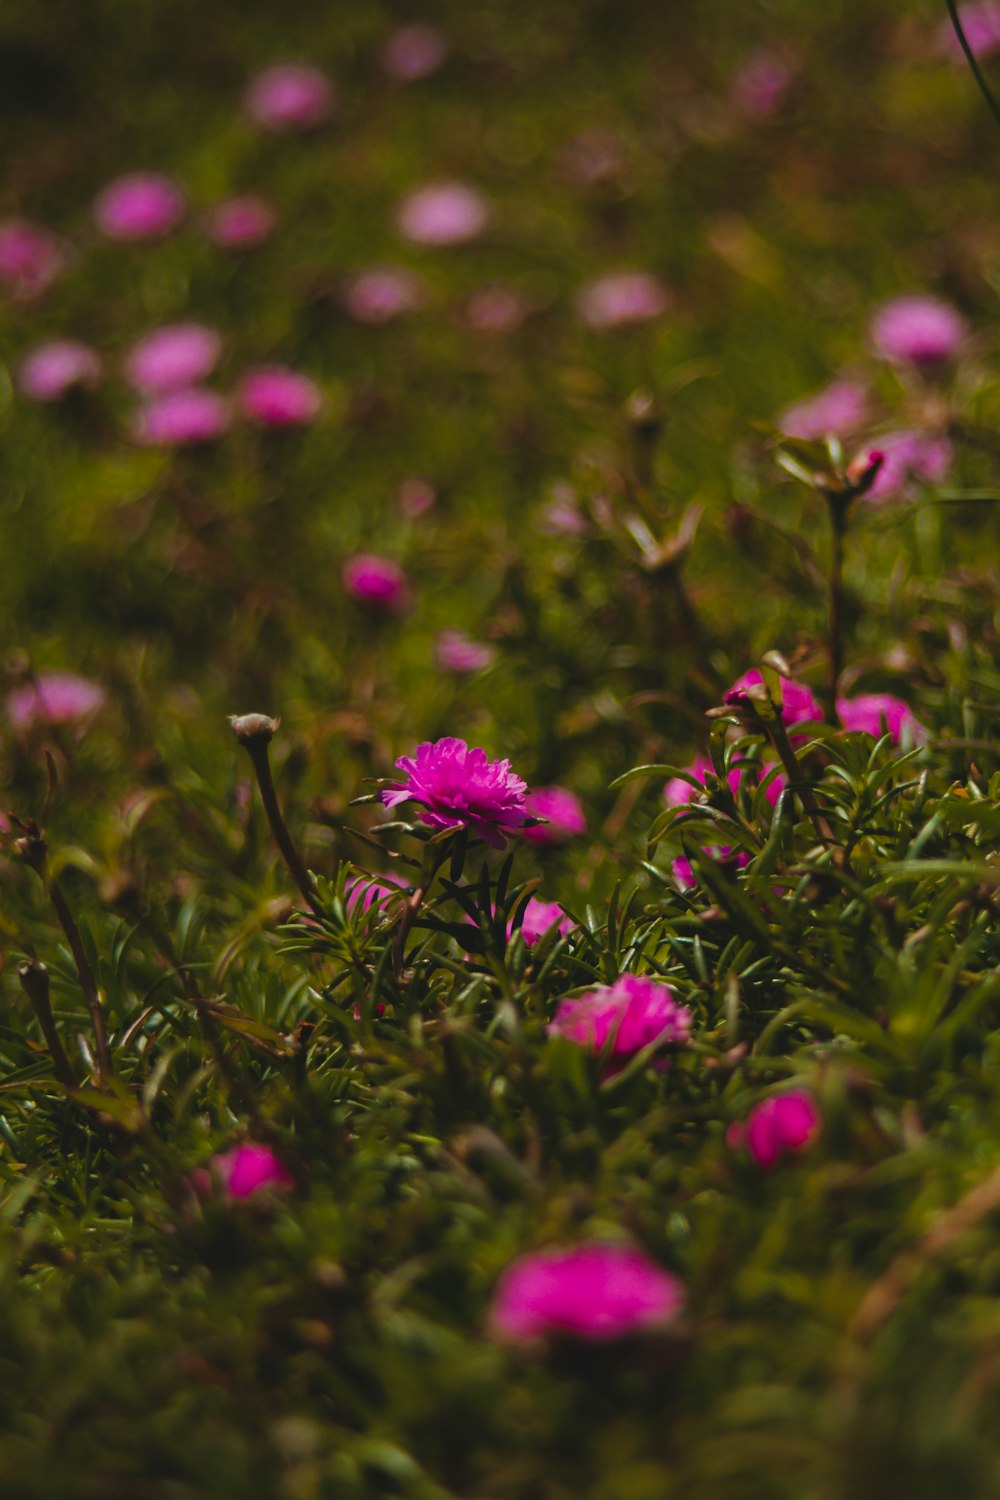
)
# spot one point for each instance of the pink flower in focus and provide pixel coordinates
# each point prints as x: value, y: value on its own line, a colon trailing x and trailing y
x: 880, y: 713
x: 455, y: 652
x: 50, y: 371
x: 377, y: 581
x: 413, y: 52
x: 780, y: 1126
x: 539, y: 918
x: 248, y: 1170
x: 599, y: 1292
x: 140, y: 206
x: 632, y: 1013
x: 797, y: 703
x: 31, y: 257
x: 383, y: 293
x: 274, y: 396
x: 761, y: 82
x: 495, y: 309
x: 620, y: 298
x: 909, y: 459
x: 916, y: 330
x: 443, y: 213
x: 239, y: 223
x: 833, y: 412
x: 289, y: 96
x: 561, y: 808
x: 53, y: 698
x: 179, y: 354
x: 461, y: 788
x: 180, y: 418
x: 981, y: 24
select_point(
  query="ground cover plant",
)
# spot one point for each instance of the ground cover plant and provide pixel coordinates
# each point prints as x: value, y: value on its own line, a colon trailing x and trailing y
x: 498, y: 890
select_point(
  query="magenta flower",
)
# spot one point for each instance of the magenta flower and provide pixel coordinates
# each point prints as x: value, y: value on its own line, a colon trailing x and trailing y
x: 881, y: 713
x: 179, y: 354
x: 495, y: 309
x: 54, y: 698
x: 246, y: 1171
x: 377, y: 581
x: 289, y: 96
x: 908, y: 460
x: 140, y: 206
x: 683, y: 870
x: 413, y: 52
x: 598, y: 1292
x: 833, y: 412
x: 760, y: 82
x: 239, y: 223
x: 916, y: 330
x: 797, y: 703
x: 563, y: 811
x: 50, y: 371
x: 620, y: 298
x: 981, y: 24
x: 181, y: 418
x: 383, y: 293
x: 274, y: 396
x: 443, y: 213
x: 455, y: 652
x: 31, y: 257
x: 461, y: 788
x: 780, y: 1126
x: 539, y: 918
x: 631, y: 1014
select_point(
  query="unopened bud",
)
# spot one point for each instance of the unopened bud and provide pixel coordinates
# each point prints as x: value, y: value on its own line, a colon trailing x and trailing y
x: 254, y: 729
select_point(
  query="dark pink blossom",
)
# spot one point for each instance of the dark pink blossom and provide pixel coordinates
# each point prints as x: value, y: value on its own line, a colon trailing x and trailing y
x: 631, y: 1014
x: 382, y: 293
x: 917, y: 330
x: 275, y: 396
x: 596, y: 1292
x: 909, y: 459
x: 377, y: 581
x: 178, y: 354
x: 139, y: 206
x: 239, y: 223
x: 539, y: 918
x: 413, y: 52
x: 798, y: 705
x: 563, y: 812
x: 881, y: 713
x: 782, y: 1125
x: 620, y: 298
x: 31, y: 257
x: 50, y: 371
x: 54, y: 698
x: 245, y: 1172
x: 461, y: 787
x: 443, y: 213
x: 455, y: 652
x: 289, y: 96
x: 181, y: 418
x: 761, y: 82
x: 839, y: 409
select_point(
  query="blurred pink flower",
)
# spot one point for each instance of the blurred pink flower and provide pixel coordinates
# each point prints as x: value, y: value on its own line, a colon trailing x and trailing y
x: 495, y: 309
x: 382, y: 293
x: 377, y: 581
x: 140, y: 206
x: 461, y: 788
x: 443, y: 213
x: 246, y: 1171
x: 981, y: 24
x: 620, y: 298
x: 916, y: 330
x: 632, y: 1013
x: 31, y: 257
x: 539, y: 918
x: 239, y: 223
x: 275, y: 396
x: 798, y: 704
x: 780, y: 1126
x: 415, y: 497
x: 563, y: 516
x: 683, y: 870
x: 562, y: 808
x: 678, y: 792
x: 455, y: 652
x: 50, y: 371
x: 832, y: 412
x: 413, y: 52
x: 53, y: 698
x: 909, y: 459
x: 289, y: 96
x: 598, y: 1291
x: 760, y: 82
x: 178, y: 418
x: 363, y: 890
x: 179, y: 354
x: 881, y: 713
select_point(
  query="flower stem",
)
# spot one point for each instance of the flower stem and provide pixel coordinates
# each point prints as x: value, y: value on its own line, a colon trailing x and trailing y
x: 835, y: 622
x: 34, y: 977
x: 254, y: 732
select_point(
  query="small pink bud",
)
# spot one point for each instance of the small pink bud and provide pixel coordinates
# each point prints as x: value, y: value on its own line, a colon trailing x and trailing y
x: 289, y: 97
x: 782, y: 1125
x: 377, y: 581
x: 248, y: 1170
x: 140, y: 206
x: 275, y: 396
x: 595, y: 1292
x: 50, y: 371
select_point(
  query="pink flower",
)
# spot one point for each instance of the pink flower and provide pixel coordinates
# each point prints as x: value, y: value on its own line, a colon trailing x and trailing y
x: 797, y: 703
x: 455, y: 652
x: 31, y: 257
x: 761, y: 82
x: 179, y: 354
x: 50, y: 371
x: 274, y: 396
x: 563, y: 516
x: 563, y: 811
x: 461, y: 788
x: 620, y: 298
x: 632, y: 1013
x: 881, y: 713
x: 779, y: 1126
x: 239, y: 223
x: 289, y: 96
x: 179, y: 418
x: 598, y: 1291
x: 54, y: 698
x: 678, y: 792
x: 916, y: 330
x: 383, y: 293
x: 377, y: 581
x: 413, y: 52
x: 981, y: 24
x: 363, y: 890
x: 495, y: 309
x: 140, y: 206
x: 443, y: 213
x: 415, y: 497
x: 833, y: 412
x: 683, y: 870
x: 248, y: 1170
x: 539, y: 918
x: 909, y: 459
